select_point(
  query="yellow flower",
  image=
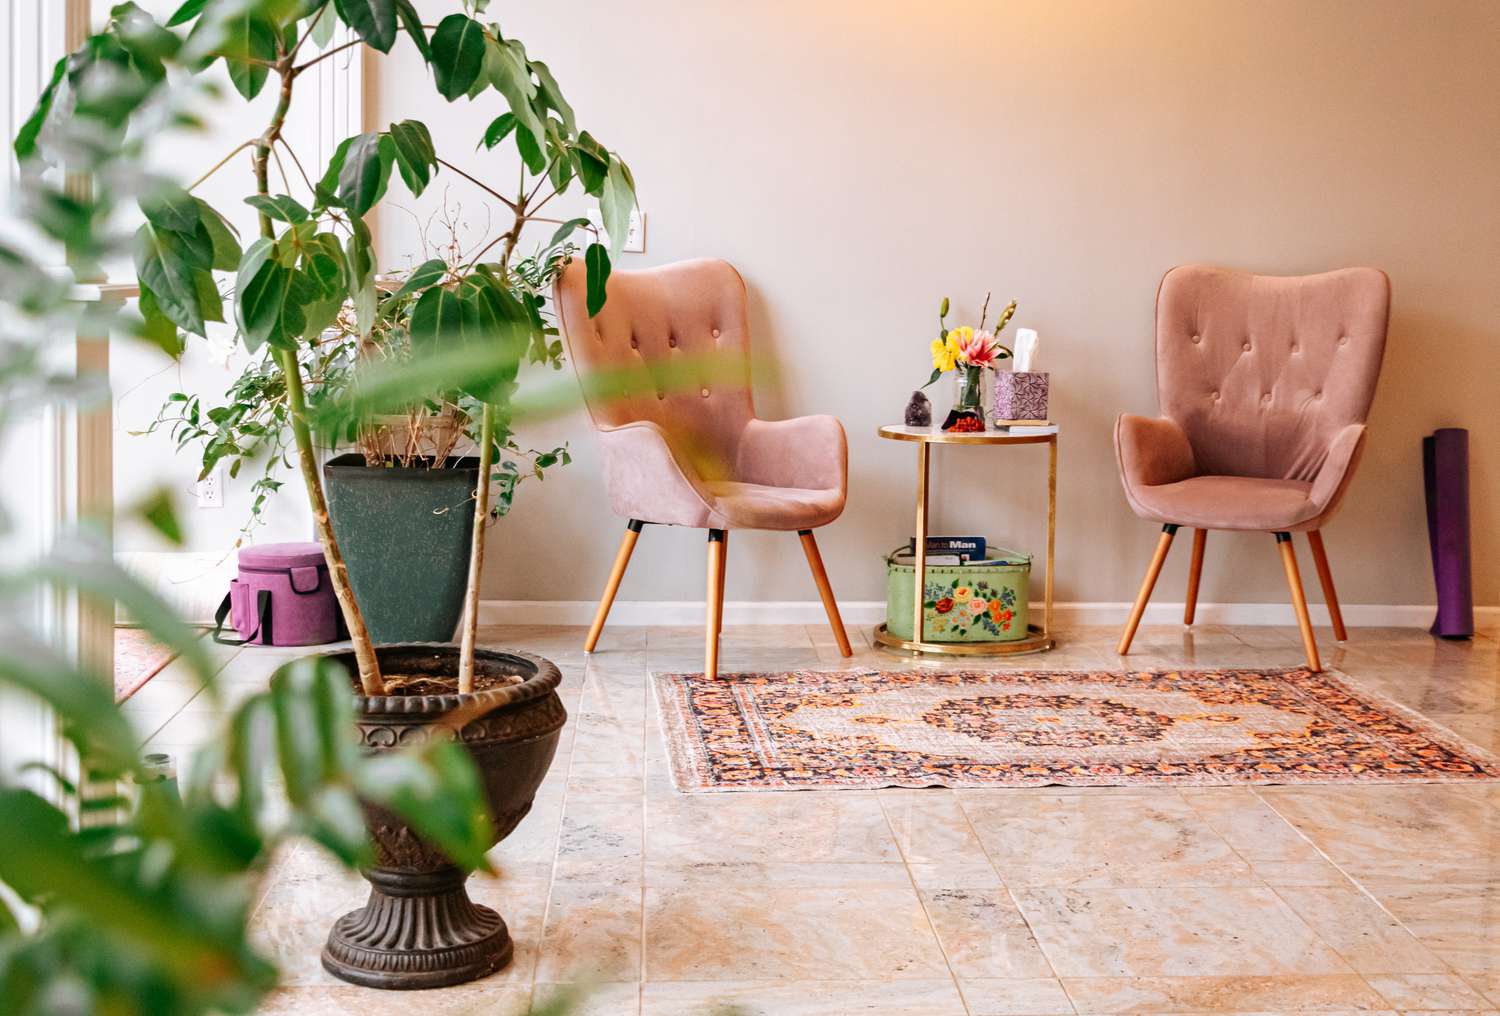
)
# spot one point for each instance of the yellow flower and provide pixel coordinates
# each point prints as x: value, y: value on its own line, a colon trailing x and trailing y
x: 945, y: 354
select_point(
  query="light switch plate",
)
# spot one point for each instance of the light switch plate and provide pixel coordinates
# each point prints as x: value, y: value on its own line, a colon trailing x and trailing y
x: 635, y: 238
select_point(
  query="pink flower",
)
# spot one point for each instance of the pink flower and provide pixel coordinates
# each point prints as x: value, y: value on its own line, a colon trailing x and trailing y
x: 978, y: 350
x: 977, y: 606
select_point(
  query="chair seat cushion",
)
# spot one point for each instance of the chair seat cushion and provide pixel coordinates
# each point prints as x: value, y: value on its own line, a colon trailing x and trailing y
x: 756, y: 506
x: 1229, y: 502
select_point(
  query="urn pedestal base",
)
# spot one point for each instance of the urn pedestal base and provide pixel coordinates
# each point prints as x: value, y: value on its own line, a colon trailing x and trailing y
x: 418, y: 930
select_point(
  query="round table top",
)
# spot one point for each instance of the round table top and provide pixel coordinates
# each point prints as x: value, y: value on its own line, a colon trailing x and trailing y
x: 935, y: 435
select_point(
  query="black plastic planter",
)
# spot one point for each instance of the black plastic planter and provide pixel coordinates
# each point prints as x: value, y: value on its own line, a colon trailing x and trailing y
x: 405, y: 537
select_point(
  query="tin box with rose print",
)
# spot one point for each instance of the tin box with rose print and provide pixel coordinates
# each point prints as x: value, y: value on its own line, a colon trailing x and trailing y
x: 982, y: 601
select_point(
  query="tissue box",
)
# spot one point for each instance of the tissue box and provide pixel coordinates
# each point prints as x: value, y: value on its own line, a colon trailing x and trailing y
x: 1020, y: 397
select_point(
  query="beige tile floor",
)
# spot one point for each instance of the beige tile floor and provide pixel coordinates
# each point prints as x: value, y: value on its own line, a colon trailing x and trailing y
x: 936, y: 902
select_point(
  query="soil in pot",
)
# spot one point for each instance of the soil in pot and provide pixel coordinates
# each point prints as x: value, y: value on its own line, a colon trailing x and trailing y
x: 405, y: 533
x: 419, y: 928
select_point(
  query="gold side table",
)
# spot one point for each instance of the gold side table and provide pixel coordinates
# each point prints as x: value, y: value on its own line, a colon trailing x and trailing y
x: 1038, y: 639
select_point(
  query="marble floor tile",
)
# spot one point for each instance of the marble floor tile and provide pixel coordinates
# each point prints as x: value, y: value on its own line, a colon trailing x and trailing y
x: 1245, y: 994
x: 1361, y: 931
x: 1176, y: 932
x: 618, y: 998
x: 1407, y: 834
x: 1460, y: 923
x: 983, y: 933
x: 1145, y: 839
x: 733, y: 933
x: 336, y: 999
x: 600, y: 841
x: 1432, y: 991
x: 803, y: 826
x: 929, y: 825
x: 1014, y: 996
x: 938, y: 997
x: 592, y: 934
x: 791, y: 873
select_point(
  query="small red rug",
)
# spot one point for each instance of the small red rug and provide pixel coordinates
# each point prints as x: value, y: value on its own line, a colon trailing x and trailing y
x: 138, y: 658
x: 865, y: 729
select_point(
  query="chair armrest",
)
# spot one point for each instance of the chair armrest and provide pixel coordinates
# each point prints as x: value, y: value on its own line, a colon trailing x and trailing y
x: 1152, y: 452
x: 809, y: 452
x: 1338, y: 468
x: 647, y: 480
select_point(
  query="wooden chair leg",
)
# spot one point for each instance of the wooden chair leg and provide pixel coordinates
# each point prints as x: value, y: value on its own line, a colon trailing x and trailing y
x: 723, y: 566
x: 825, y: 591
x: 1195, y: 572
x: 1149, y: 583
x: 1299, y: 601
x: 1325, y: 578
x: 616, y: 573
x: 715, y: 602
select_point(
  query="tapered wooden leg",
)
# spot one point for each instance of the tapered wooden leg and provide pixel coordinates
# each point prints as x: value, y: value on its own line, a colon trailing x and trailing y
x: 1325, y: 578
x: 1149, y: 583
x: 1195, y: 571
x: 715, y: 602
x: 723, y: 567
x: 616, y: 573
x: 1299, y: 602
x: 825, y: 591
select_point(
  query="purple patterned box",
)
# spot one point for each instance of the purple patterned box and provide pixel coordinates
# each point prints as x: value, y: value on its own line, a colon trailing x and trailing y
x: 1020, y: 397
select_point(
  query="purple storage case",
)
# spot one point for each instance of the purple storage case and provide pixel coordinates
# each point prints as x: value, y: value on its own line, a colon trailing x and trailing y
x: 283, y: 596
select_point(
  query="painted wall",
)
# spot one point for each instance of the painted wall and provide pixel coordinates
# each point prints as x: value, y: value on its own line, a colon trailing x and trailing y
x: 859, y: 159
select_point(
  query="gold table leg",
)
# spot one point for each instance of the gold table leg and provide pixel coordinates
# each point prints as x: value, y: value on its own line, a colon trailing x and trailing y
x: 1051, y: 533
x: 923, y: 461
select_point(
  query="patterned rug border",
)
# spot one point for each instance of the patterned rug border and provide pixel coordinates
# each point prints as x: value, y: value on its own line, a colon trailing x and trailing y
x: 687, y: 778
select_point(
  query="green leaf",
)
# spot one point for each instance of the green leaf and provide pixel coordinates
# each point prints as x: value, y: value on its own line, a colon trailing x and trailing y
x: 592, y: 160
x: 552, y: 95
x: 596, y: 266
x: 420, y: 278
x: 25, y: 143
x: 82, y: 703
x: 249, y: 38
x: 374, y: 20
x: 167, y: 265
x: 498, y: 129
x: 412, y: 22
x: 226, y: 256
x: 457, y: 55
x: 271, y: 298
x: 615, y: 205
x: 437, y: 318
x: 531, y: 153
x: 156, y: 327
x: 158, y: 511
x: 170, y: 207
x: 280, y: 207
x: 415, y: 156
x: 366, y: 169
x: 187, y: 12
x: 323, y: 26
x: 328, y: 186
x: 566, y: 230
x: 512, y: 78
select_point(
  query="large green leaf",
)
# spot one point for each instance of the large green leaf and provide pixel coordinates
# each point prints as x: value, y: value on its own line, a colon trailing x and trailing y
x: 457, y: 54
x: 506, y: 63
x: 437, y: 790
x: 422, y: 276
x: 327, y: 187
x: 168, y: 264
x: 596, y: 267
x: 156, y: 327
x: 437, y: 319
x: 250, y: 43
x: 83, y: 704
x: 415, y: 156
x: 615, y: 204
x: 25, y: 143
x: 593, y: 163
x: 187, y: 12
x: 272, y: 299
x: 226, y: 249
x: 412, y: 22
x: 374, y: 20
x: 366, y: 169
x: 282, y: 207
x: 498, y: 129
x: 552, y: 95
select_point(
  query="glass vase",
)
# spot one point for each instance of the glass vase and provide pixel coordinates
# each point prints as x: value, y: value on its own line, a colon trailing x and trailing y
x: 968, y: 402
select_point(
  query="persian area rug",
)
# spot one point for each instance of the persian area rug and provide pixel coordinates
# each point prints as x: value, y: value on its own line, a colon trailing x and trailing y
x: 863, y: 729
x: 138, y: 658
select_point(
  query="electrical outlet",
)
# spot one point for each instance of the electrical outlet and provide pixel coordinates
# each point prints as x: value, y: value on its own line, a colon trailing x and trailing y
x: 211, y: 489
x: 635, y: 237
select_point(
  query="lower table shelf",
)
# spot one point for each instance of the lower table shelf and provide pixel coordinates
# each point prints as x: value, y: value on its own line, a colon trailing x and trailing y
x: 1036, y: 641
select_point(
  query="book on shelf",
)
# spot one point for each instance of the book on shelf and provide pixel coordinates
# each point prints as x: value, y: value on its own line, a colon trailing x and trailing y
x: 968, y: 548
x: 933, y: 560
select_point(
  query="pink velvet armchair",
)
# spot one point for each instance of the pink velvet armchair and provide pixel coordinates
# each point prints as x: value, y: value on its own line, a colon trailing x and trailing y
x: 1265, y: 383
x: 687, y: 449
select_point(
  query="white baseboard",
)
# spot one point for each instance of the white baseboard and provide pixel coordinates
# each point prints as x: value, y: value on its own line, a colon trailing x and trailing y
x: 869, y: 612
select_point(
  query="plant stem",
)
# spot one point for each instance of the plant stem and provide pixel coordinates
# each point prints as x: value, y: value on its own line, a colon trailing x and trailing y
x: 338, y: 573
x: 507, y: 202
x: 476, y: 552
x: 220, y: 164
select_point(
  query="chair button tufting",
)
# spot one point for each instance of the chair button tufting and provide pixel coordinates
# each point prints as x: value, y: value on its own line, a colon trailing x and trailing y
x: 1197, y: 339
x: 661, y: 395
x: 1343, y: 340
x: 672, y: 341
x: 1317, y: 395
x: 1246, y: 347
x: 704, y: 393
x: 1214, y: 396
x: 716, y: 333
x: 1296, y: 348
x: 1266, y: 397
x: 635, y: 343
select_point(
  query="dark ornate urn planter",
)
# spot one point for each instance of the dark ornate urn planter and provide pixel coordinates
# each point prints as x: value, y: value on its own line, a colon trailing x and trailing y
x: 419, y: 928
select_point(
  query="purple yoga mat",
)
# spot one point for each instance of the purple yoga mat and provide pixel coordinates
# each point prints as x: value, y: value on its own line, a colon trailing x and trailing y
x: 1445, y: 467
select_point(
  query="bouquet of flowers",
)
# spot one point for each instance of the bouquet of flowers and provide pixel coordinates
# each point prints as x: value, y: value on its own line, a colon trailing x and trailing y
x: 968, y: 350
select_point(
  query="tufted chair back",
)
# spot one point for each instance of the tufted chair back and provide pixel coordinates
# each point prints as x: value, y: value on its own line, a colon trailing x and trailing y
x: 685, y: 324
x: 1262, y: 371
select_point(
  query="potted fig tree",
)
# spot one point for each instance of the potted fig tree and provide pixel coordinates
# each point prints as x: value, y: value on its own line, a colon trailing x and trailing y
x: 470, y: 328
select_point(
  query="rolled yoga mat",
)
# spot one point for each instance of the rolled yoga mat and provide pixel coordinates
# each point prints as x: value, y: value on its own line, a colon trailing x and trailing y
x: 1445, y: 465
